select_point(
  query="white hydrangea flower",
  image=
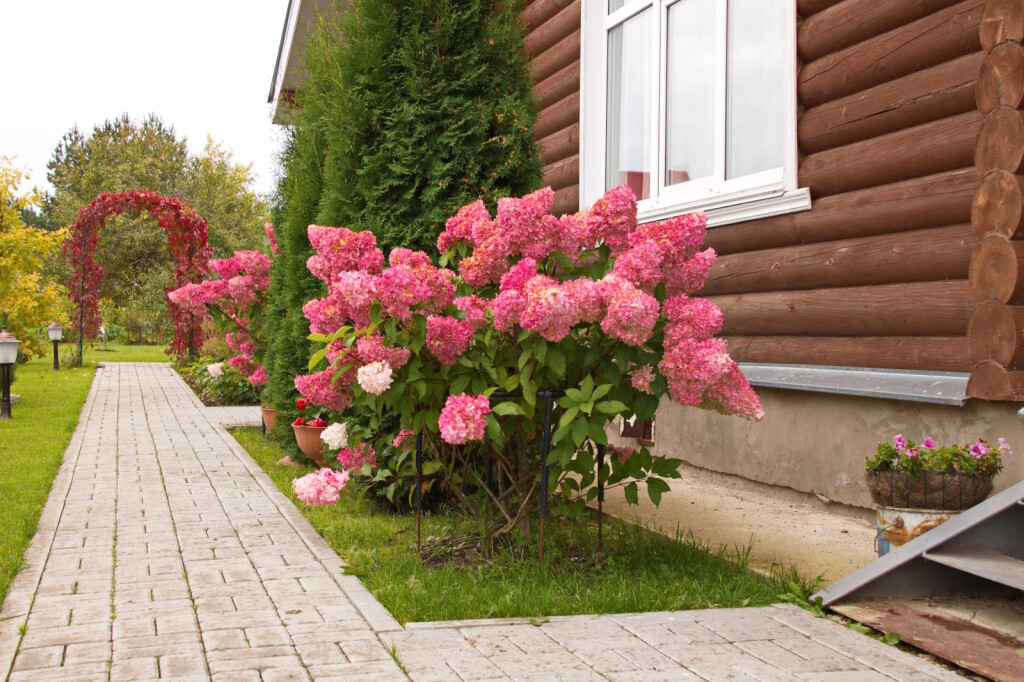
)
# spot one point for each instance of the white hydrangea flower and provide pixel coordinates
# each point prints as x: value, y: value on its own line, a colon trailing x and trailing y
x: 375, y: 377
x: 335, y: 435
x: 216, y: 369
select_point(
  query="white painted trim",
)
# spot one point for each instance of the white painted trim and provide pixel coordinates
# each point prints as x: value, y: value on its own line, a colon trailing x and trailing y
x: 291, y: 23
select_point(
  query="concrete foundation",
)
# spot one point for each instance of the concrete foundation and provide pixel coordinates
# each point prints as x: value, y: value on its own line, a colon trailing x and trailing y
x: 817, y: 442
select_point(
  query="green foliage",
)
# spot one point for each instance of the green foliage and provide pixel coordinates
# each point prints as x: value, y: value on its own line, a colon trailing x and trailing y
x: 229, y: 388
x: 291, y: 283
x: 431, y: 107
x: 985, y: 460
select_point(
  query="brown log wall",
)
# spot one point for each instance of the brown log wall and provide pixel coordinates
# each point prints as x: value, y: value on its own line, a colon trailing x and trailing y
x: 554, y: 45
x: 879, y: 273
x: 915, y: 164
x: 996, y: 332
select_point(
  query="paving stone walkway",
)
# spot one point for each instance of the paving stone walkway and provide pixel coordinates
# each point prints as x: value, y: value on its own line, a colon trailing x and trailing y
x: 164, y: 552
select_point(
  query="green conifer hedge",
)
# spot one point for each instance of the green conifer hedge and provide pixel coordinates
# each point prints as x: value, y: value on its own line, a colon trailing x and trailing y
x: 423, y: 107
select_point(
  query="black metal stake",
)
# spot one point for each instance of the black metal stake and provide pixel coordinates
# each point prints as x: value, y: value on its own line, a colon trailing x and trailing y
x: 548, y: 406
x: 600, y: 497
x: 5, y: 394
x: 417, y: 492
x: 56, y: 357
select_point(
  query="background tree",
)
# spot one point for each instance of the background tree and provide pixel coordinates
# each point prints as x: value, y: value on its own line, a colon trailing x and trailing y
x: 32, y: 300
x: 123, y: 155
x: 421, y: 108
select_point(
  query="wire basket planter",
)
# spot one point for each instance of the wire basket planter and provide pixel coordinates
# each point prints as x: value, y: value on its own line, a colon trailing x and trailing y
x: 928, y: 490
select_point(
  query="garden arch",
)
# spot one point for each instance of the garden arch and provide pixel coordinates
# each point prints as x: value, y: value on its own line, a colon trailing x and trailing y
x: 186, y: 243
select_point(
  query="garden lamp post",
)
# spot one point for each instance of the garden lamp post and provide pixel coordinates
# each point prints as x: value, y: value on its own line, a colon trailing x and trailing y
x: 56, y: 333
x: 8, y: 356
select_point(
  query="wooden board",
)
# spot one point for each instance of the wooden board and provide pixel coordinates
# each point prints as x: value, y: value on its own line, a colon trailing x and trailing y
x: 965, y: 643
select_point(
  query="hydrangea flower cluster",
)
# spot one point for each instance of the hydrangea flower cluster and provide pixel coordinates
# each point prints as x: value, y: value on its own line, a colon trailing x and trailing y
x: 355, y: 457
x: 510, y: 280
x: 374, y: 378
x: 464, y: 418
x: 238, y: 295
x: 335, y: 436
x: 321, y: 487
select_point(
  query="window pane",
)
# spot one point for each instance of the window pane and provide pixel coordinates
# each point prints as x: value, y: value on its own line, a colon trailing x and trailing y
x: 615, y: 5
x: 690, y: 109
x: 755, y: 72
x: 628, y: 152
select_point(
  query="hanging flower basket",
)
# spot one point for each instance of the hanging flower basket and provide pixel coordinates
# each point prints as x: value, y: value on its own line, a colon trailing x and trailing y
x: 931, y: 476
x: 928, y: 489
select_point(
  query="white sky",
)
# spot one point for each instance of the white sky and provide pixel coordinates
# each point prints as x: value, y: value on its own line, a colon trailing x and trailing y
x: 203, y: 66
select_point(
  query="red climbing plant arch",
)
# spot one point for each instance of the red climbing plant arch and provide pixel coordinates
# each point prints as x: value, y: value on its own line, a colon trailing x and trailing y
x: 186, y: 242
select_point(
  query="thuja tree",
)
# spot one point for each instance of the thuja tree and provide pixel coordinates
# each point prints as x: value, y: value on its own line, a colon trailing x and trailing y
x: 421, y: 108
x: 589, y: 304
x: 437, y: 111
x: 291, y: 284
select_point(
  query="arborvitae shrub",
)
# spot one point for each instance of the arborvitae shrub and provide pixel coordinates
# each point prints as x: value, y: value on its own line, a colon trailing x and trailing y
x: 425, y: 106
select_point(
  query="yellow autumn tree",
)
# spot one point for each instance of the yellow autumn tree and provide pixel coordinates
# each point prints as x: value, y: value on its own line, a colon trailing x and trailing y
x: 30, y: 301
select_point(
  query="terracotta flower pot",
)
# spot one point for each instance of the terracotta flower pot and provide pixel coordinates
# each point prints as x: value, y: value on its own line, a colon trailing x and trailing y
x: 269, y: 417
x: 308, y: 438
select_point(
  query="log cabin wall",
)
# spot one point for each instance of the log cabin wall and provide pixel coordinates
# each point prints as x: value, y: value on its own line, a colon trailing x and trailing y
x: 877, y: 273
x: 554, y: 46
x: 996, y: 334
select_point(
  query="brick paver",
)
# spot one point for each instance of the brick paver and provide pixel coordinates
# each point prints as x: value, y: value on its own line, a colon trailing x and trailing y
x: 164, y: 552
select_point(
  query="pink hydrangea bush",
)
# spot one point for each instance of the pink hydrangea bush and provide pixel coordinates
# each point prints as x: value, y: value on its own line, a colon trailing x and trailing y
x: 322, y: 487
x: 235, y: 303
x: 522, y: 302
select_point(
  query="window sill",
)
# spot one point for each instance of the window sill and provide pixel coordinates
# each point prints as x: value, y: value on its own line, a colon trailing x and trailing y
x: 735, y: 209
x: 942, y: 388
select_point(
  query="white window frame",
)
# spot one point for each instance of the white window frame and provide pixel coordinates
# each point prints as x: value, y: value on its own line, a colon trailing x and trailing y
x: 750, y: 197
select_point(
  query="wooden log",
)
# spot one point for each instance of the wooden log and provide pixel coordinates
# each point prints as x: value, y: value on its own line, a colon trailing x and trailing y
x: 560, y: 115
x: 944, y: 90
x: 918, y: 256
x: 992, y: 381
x: 807, y: 8
x: 937, y: 38
x: 556, y: 57
x: 539, y: 11
x: 564, y: 173
x: 1001, y: 80
x: 998, y: 205
x: 558, y: 86
x: 939, y: 354
x: 917, y: 309
x: 567, y: 200
x: 916, y: 204
x: 852, y: 21
x: 922, y: 150
x: 997, y: 270
x: 564, y: 143
x: 1000, y: 143
x: 996, y: 334
x: 554, y: 29
x: 1002, y: 21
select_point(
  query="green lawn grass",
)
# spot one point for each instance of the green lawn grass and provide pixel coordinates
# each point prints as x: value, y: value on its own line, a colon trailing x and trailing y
x: 118, y: 352
x: 643, y: 571
x: 31, y: 450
